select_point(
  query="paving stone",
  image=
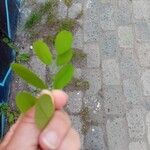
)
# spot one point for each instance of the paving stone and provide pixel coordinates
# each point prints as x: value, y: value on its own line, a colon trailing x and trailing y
x: 91, y: 31
x: 135, y: 119
x: 94, y: 139
x: 77, y: 124
x: 144, y: 54
x: 93, y: 76
x: 137, y: 146
x: 62, y: 10
x: 123, y: 12
x: 114, y: 101
x: 38, y: 67
x: 93, y: 55
x: 128, y: 65
x: 93, y: 103
x: 106, y: 17
x: 141, y: 9
x: 109, y: 44
x: 148, y: 126
x: 78, y: 39
x: 91, y: 10
x: 142, y: 31
x: 91, y: 24
x: 74, y: 10
x: 146, y: 82
x: 117, y: 134
x: 105, y: 1
x: 78, y: 73
x: 126, y: 38
x: 132, y: 91
x: 110, y: 71
x: 75, y: 101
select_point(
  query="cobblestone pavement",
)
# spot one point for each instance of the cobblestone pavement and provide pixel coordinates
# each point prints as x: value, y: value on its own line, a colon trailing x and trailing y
x: 114, y: 113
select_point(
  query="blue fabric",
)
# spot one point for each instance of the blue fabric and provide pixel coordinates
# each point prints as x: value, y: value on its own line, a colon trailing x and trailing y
x: 8, y: 23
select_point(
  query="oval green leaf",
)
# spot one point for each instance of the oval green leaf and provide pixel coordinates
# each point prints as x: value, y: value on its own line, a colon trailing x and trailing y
x: 63, y: 77
x: 28, y: 76
x: 64, y: 58
x: 42, y: 51
x: 25, y: 101
x: 44, y: 111
x: 63, y: 42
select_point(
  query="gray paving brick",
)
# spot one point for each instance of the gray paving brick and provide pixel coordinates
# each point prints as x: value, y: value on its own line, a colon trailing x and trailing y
x: 144, y: 54
x: 126, y: 38
x: 128, y: 64
x: 93, y: 103
x: 142, y: 31
x: 123, y: 12
x: 141, y: 9
x: 93, y: 54
x: 91, y: 31
x: 109, y: 44
x: 78, y: 39
x: 77, y: 124
x: 74, y: 10
x: 94, y: 139
x: 117, y: 134
x: 106, y: 17
x: 110, y: 69
x: 114, y: 101
x: 148, y: 126
x: 146, y: 84
x: 93, y: 76
x: 137, y: 146
x: 75, y: 101
x: 132, y: 91
x: 91, y: 23
x: 135, y: 119
x: 62, y: 10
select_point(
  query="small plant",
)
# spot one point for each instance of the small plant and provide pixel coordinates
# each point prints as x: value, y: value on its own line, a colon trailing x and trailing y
x: 44, y: 104
x: 68, y: 3
x: 23, y: 58
x: 34, y: 18
x: 10, y: 114
x: 67, y: 24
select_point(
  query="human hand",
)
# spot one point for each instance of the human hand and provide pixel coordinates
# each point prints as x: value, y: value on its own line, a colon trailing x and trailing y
x: 58, y: 135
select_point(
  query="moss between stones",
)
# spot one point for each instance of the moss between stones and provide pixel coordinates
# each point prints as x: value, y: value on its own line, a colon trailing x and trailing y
x: 85, y: 120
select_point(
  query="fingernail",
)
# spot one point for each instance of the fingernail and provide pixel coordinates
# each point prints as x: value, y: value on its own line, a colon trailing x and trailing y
x: 51, y: 140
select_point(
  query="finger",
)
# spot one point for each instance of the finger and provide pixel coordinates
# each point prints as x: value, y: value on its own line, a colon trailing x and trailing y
x: 27, y: 127
x: 59, y: 97
x: 72, y: 140
x: 10, y: 133
x: 54, y: 133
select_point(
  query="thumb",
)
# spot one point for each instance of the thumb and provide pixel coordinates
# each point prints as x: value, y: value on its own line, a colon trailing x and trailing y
x: 26, y: 134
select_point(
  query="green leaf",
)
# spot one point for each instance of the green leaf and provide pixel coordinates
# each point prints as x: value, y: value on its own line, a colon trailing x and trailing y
x: 25, y: 101
x: 44, y: 111
x: 43, y: 52
x: 63, y: 77
x: 63, y: 42
x: 64, y: 58
x: 28, y: 76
